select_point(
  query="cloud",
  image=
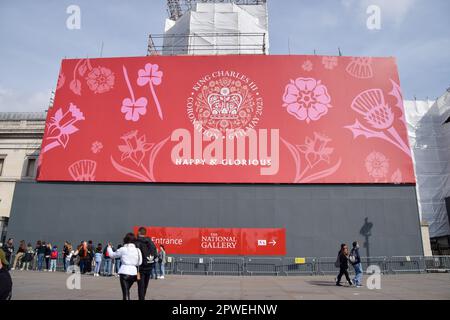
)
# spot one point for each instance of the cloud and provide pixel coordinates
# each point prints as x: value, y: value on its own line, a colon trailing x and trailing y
x: 19, y: 101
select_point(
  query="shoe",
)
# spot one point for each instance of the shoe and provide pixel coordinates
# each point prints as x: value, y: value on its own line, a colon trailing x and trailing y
x: 162, y: 277
x: 338, y: 284
x: 358, y: 286
x: 12, y: 269
x: 350, y: 283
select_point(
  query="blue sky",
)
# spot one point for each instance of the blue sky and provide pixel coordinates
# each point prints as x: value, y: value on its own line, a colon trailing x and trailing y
x: 34, y: 38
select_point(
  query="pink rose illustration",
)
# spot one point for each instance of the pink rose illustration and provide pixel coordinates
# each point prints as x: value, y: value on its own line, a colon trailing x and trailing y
x: 134, y: 148
x: 316, y: 149
x: 329, y: 62
x: 306, y: 99
x: 153, y: 77
x: 377, y: 165
x: 100, y: 80
x: 61, y: 126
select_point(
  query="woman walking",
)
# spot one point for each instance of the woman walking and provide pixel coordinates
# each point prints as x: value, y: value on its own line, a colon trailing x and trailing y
x: 131, y: 259
x: 343, y: 265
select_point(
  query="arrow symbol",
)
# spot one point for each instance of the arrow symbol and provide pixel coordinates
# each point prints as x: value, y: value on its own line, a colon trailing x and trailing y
x: 273, y: 242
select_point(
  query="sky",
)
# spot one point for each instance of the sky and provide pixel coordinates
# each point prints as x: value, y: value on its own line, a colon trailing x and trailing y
x: 34, y: 38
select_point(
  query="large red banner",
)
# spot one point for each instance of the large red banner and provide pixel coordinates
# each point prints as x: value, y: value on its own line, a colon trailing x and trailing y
x: 227, y: 119
x: 219, y: 241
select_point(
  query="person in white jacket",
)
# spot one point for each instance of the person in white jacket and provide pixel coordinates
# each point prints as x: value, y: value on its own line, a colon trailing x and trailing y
x: 131, y: 259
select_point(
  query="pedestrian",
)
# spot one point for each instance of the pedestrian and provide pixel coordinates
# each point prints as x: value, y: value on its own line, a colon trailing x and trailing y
x: 117, y: 262
x: 83, y: 254
x: 5, y: 278
x: 48, y: 253
x: 40, y: 249
x: 53, y: 259
x: 131, y: 259
x: 162, y: 261
x: 8, y: 249
x: 342, y: 261
x: 106, y: 262
x: 149, y: 252
x: 65, y: 253
x: 19, y: 255
x: 355, y: 260
x: 98, y: 259
x: 90, y: 257
x: 155, y: 266
x: 28, y: 257
x: 69, y: 257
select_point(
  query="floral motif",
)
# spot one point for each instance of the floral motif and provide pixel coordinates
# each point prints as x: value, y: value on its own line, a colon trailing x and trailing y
x: 379, y: 117
x: 306, y: 99
x: 360, y: 67
x: 330, y: 62
x: 134, y: 109
x: 316, y: 150
x: 61, y: 81
x: 96, y: 147
x: 134, y: 148
x: 61, y: 126
x: 100, y: 80
x: 377, y: 165
x: 397, y: 177
x: 83, y: 170
x: 153, y: 77
x: 307, y: 65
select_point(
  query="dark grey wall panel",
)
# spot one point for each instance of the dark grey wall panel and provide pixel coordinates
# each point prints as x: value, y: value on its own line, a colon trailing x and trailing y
x: 317, y: 218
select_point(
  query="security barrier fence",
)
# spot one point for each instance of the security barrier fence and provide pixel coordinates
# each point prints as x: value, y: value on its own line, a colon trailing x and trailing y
x: 278, y: 266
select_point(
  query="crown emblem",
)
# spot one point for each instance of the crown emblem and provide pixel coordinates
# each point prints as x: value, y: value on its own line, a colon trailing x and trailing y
x: 224, y: 105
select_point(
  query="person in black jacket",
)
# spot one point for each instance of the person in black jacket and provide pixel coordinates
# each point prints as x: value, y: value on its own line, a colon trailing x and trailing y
x: 343, y: 265
x: 8, y: 249
x: 149, y: 253
x: 355, y: 260
x: 5, y: 278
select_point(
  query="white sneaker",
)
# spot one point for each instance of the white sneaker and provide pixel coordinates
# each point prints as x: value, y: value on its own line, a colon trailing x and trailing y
x: 12, y: 269
x: 162, y: 277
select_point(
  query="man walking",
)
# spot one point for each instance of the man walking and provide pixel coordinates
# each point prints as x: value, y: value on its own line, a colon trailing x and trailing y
x: 355, y: 260
x: 149, y: 253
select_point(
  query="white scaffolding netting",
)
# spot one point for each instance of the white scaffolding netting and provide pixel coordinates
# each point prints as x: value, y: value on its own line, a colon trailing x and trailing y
x: 429, y: 137
x: 218, y: 28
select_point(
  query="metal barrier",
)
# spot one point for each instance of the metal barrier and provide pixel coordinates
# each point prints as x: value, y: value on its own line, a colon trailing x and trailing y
x: 227, y: 266
x: 193, y: 265
x: 263, y: 266
x: 406, y: 264
x: 299, y: 266
x: 326, y: 266
x: 381, y: 262
x: 437, y: 264
x: 170, y: 265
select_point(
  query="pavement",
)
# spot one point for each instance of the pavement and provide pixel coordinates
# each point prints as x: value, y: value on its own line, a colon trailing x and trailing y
x: 33, y: 285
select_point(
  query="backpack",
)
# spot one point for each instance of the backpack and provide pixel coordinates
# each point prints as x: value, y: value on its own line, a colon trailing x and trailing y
x: 149, y: 252
x: 337, y: 264
x: 54, y: 255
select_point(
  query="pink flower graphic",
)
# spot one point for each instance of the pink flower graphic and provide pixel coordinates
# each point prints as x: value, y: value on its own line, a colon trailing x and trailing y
x: 153, y: 77
x: 61, y: 81
x: 133, y: 108
x: 306, y: 99
x: 83, y: 170
x: 100, y: 80
x: 61, y: 126
x: 134, y: 148
x: 329, y: 62
x: 397, y: 177
x: 360, y: 67
x: 316, y: 150
x: 307, y: 65
x: 96, y: 147
x: 377, y: 165
x: 150, y: 73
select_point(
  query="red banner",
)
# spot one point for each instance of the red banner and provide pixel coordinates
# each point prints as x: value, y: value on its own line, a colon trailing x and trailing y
x: 219, y: 241
x: 227, y: 119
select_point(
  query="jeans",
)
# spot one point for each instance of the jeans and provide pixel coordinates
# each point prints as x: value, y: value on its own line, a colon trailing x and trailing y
x: 40, y: 261
x: 53, y: 265
x: 162, y: 269
x: 97, y: 266
x: 358, y: 274
x: 143, y: 283
x: 117, y: 265
x: 107, y: 267
x: 154, y: 270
